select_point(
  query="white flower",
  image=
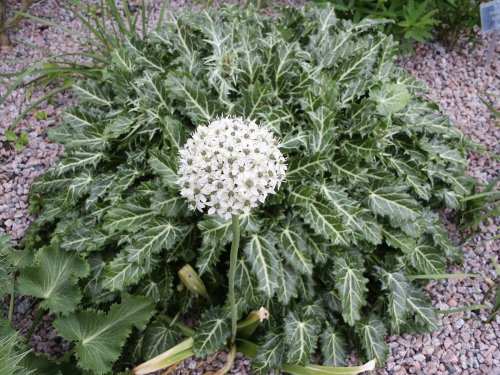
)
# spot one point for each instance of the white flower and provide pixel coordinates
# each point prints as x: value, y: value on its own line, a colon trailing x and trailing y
x: 230, y: 166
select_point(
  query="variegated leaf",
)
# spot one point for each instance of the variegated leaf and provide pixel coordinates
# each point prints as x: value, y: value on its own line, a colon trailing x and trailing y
x: 372, y: 333
x: 301, y: 336
x: 333, y: 347
x: 261, y: 252
x: 211, y: 333
x: 351, y: 286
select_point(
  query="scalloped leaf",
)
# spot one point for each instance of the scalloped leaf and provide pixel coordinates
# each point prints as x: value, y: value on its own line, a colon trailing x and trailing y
x: 100, y: 336
x: 54, y: 279
x: 390, y: 98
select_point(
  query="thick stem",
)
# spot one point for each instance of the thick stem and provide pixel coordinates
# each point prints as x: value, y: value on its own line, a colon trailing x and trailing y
x: 4, y: 37
x: 12, y: 297
x: 232, y: 271
x: 9, y: 24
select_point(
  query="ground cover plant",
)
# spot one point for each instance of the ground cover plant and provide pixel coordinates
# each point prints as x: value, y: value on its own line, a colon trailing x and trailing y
x: 335, y: 256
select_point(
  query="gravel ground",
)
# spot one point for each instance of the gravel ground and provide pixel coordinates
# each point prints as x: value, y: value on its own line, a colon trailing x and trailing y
x: 464, y: 344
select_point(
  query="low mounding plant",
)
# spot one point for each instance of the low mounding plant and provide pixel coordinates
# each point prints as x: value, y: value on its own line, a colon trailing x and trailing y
x: 335, y: 256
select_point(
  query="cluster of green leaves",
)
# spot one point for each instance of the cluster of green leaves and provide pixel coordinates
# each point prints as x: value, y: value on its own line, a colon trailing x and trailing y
x: 418, y: 21
x: 370, y: 160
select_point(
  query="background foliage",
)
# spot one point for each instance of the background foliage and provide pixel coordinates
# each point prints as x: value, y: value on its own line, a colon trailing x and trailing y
x: 418, y: 21
x: 330, y: 256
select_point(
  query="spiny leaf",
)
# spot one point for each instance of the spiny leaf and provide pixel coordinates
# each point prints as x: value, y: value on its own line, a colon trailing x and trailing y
x: 351, y: 285
x: 272, y: 354
x: 392, y: 202
x: 211, y: 333
x: 293, y: 248
x: 120, y: 273
x: 397, y: 287
x: 323, y: 129
x: 169, y: 204
x: 260, y: 251
x: 54, y: 279
x: 76, y: 161
x: 161, y: 235
x: 344, y: 168
x: 99, y: 336
x: 325, y: 222
x: 333, y: 347
x: 216, y: 234
x: 159, y: 336
x: 93, y: 93
x: 301, y: 168
x: 301, y: 336
x: 192, y: 94
x: 6, y: 266
x: 372, y: 332
x: 355, y: 218
x: 254, y: 100
x: 164, y: 166
x: 425, y: 258
x: 399, y: 240
x: 425, y: 314
x: 287, y: 284
x: 245, y: 282
x: 130, y: 216
x: 11, y: 357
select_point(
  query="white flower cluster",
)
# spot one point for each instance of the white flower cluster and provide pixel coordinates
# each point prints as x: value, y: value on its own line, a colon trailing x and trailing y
x: 230, y: 166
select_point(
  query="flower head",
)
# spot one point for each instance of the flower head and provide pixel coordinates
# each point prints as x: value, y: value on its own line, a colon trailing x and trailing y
x: 230, y: 166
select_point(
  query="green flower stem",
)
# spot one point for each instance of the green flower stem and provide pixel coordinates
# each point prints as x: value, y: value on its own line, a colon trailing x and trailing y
x: 232, y: 272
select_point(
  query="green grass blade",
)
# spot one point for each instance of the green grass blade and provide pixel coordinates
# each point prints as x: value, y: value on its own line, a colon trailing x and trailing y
x: 144, y: 18
x: 444, y: 276
x: 57, y: 26
x: 163, y: 9
x: 463, y: 309
x: 117, y: 17
x: 38, y: 101
x: 128, y: 16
